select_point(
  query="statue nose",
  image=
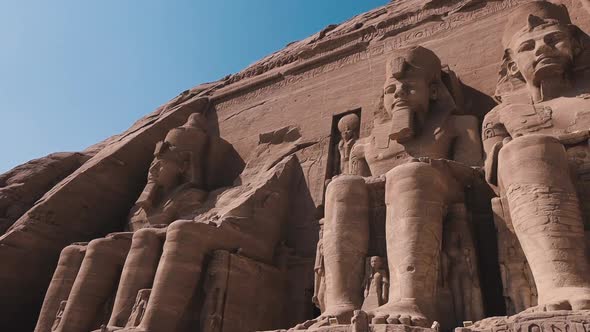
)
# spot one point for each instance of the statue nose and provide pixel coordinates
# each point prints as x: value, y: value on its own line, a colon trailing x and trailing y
x: 400, y: 91
x: 541, y: 47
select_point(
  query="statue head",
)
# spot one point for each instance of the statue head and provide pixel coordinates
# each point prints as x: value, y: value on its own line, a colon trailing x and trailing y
x: 413, y: 80
x: 376, y: 262
x: 540, y: 44
x: 348, y: 126
x: 177, y: 157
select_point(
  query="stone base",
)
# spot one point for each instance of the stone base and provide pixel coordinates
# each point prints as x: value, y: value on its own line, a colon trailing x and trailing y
x: 550, y: 321
x: 372, y: 328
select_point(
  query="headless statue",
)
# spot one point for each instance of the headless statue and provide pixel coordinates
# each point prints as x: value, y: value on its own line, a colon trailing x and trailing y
x: 416, y: 121
x: 535, y: 142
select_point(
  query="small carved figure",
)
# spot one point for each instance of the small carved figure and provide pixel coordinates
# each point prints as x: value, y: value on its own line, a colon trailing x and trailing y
x: 348, y: 126
x: 376, y: 284
x: 58, y: 316
x: 360, y: 321
x: 215, y: 286
x: 459, y: 268
x: 319, y: 272
x: 138, y: 310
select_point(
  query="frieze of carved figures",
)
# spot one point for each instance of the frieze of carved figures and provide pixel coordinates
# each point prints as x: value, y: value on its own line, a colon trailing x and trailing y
x: 543, y: 118
x: 424, y: 151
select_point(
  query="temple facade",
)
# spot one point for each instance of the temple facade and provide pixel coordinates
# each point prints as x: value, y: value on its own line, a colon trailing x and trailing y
x: 421, y: 167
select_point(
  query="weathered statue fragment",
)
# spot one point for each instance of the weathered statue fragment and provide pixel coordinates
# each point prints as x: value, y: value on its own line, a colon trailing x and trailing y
x: 421, y: 182
x: 535, y: 142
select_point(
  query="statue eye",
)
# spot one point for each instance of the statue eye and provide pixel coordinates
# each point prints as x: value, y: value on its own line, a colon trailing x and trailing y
x: 528, y: 45
x: 390, y: 89
x: 554, y: 38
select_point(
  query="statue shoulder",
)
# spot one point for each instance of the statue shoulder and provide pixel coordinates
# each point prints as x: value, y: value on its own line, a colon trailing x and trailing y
x: 492, y: 125
x: 358, y: 149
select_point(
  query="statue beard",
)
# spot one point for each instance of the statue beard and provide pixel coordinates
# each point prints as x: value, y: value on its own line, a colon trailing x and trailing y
x: 551, y: 81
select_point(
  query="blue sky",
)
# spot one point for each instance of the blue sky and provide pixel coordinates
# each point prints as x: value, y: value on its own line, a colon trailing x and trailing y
x: 73, y: 73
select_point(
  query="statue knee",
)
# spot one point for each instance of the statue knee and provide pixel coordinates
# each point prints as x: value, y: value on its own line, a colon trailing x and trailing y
x: 345, y: 188
x: 146, y: 237
x: 108, y: 246
x: 71, y: 254
x: 185, y: 231
x: 415, y: 178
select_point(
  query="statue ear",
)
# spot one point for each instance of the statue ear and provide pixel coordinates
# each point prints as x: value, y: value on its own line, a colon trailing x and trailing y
x: 434, y: 91
x: 512, y: 68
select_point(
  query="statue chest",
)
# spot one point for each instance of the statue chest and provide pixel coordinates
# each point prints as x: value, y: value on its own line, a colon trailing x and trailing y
x: 557, y: 117
x: 383, y: 154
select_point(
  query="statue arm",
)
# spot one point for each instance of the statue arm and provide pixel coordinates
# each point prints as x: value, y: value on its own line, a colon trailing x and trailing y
x: 358, y: 163
x: 493, y: 134
x: 467, y: 146
x: 385, y: 289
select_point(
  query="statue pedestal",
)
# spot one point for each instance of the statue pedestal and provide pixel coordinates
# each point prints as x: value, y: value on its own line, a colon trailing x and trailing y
x: 550, y: 321
x: 371, y: 328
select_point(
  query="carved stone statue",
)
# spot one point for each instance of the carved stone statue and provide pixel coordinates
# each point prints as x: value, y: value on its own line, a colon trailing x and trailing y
x: 319, y: 291
x: 348, y: 127
x: 532, y: 140
x: 215, y: 286
x: 58, y: 316
x: 417, y: 193
x: 360, y: 321
x: 176, y: 223
x: 376, y: 284
x: 518, y: 284
x: 176, y: 179
x: 138, y: 310
x: 460, y: 273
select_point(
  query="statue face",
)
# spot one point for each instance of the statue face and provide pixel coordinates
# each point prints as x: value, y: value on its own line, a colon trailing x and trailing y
x: 412, y: 91
x: 544, y: 52
x: 165, y: 173
x: 347, y: 133
x: 376, y: 262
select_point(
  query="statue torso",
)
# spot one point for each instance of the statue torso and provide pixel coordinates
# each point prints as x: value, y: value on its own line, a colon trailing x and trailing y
x: 434, y: 141
x: 556, y: 117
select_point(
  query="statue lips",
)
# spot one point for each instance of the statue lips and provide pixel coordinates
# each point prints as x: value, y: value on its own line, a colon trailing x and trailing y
x: 545, y: 60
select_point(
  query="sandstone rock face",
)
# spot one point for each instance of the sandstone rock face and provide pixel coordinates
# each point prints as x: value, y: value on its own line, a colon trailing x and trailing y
x: 338, y: 184
x: 22, y: 186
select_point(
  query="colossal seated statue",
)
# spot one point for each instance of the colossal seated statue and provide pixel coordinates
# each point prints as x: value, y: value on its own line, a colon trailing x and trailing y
x: 148, y: 279
x: 536, y: 143
x: 423, y: 150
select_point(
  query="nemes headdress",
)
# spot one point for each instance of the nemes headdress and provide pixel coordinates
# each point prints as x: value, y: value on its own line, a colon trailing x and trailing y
x: 532, y: 15
x: 416, y: 58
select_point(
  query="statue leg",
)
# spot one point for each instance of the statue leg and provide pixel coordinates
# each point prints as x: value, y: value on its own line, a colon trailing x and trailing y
x: 96, y: 282
x: 61, y: 284
x: 346, y: 242
x: 138, y: 272
x: 179, y: 273
x: 415, y: 195
x: 545, y: 211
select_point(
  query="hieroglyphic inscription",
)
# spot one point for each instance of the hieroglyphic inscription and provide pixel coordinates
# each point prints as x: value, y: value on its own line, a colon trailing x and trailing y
x: 377, y: 48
